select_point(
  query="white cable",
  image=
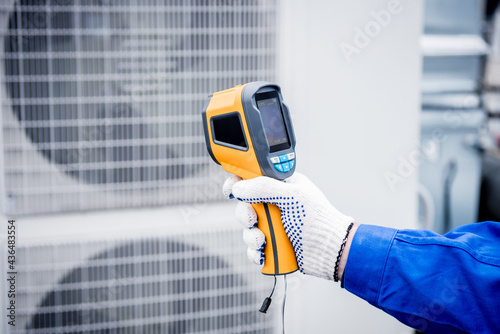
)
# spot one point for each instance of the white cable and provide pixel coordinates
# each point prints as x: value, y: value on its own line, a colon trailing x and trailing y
x: 283, y: 308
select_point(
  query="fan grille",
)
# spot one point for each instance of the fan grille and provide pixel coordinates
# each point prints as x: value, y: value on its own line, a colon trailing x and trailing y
x: 151, y: 285
x: 103, y: 98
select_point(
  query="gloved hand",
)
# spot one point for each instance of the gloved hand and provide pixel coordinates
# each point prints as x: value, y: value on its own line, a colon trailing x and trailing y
x: 315, y: 228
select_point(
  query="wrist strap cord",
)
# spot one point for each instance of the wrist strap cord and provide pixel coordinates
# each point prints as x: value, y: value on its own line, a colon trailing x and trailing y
x: 267, y: 303
x: 339, y: 255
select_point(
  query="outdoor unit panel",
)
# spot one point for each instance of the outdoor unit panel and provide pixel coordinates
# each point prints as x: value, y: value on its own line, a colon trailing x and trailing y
x: 177, y: 283
x: 451, y: 167
x: 452, y: 17
x: 452, y: 46
x: 101, y: 100
x: 101, y: 109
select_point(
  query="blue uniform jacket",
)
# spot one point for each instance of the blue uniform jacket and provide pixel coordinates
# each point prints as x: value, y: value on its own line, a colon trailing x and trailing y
x: 435, y: 283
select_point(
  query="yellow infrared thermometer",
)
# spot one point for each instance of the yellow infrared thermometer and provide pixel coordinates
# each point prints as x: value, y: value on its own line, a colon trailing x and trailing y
x: 249, y: 132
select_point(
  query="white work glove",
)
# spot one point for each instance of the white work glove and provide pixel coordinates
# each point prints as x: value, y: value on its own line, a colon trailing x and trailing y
x: 315, y: 228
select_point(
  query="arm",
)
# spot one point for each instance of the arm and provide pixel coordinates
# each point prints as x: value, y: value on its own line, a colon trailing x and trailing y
x: 434, y: 283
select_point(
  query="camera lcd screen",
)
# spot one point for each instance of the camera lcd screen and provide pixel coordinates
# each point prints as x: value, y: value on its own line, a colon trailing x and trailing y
x: 272, y: 118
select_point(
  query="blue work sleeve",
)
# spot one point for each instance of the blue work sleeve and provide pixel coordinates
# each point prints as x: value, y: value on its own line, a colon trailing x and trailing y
x: 434, y: 283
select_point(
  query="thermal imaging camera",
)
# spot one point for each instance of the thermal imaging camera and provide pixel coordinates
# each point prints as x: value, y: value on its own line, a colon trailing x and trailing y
x: 249, y: 132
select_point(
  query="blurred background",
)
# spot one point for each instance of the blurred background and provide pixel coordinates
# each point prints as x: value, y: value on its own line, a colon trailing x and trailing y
x: 121, y: 223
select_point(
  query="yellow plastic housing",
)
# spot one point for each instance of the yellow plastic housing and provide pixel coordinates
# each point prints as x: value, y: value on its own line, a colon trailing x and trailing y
x: 279, y: 254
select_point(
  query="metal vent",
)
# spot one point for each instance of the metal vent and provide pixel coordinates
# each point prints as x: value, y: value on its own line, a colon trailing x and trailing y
x: 149, y: 285
x: 101, y: 100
